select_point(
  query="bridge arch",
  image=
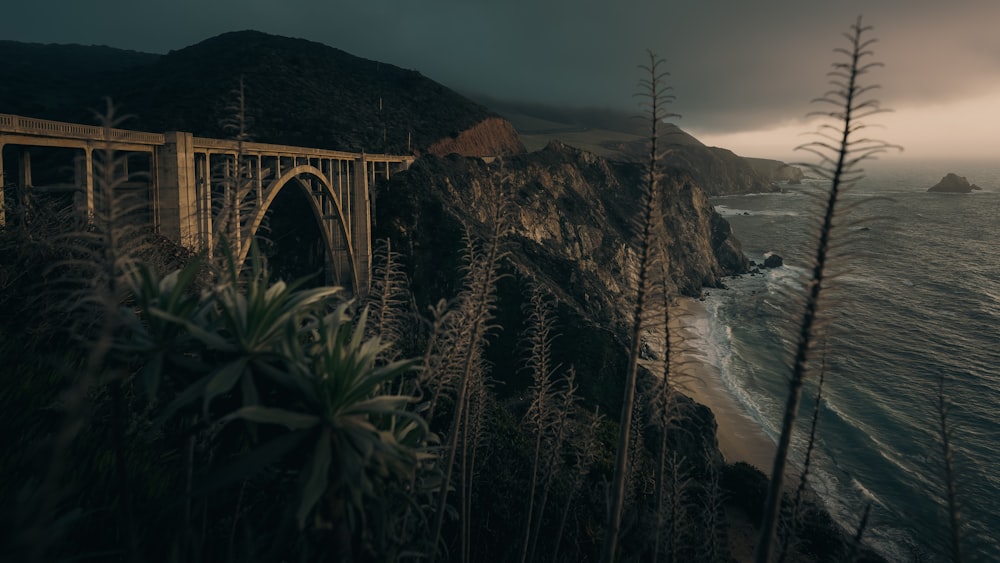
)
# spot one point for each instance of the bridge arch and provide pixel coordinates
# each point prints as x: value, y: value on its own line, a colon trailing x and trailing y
x: 332, y: 222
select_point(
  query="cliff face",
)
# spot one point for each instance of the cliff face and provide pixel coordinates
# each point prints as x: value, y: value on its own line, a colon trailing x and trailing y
x: 493, y: 136
x: 572, y: 216
x: 718, y: 171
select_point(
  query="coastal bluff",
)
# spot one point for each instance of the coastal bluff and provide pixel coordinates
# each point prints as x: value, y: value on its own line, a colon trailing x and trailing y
x: 954, y: 184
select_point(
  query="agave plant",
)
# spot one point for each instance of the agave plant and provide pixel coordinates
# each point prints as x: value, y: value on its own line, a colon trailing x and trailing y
x: 313, y: 390
x: 362, y: 439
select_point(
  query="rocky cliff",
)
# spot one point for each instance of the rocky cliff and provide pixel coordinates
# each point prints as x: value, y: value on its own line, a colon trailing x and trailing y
x: 493, y: 136
x: 718, y: 171
x: 572, y: 220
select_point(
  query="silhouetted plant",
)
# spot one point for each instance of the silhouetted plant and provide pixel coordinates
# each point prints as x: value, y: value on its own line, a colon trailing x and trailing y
x: 476, y: 305
x: 543, y: 409
x: 235, y: 179
x: 713, y: 546
x: 586, y: 446
x: 654, y: 95
x: 389, y: 299
x: 950, y: 494
x: 859, y: 533
x: 663, y: 404
x: 93, y: 273
x: 840, y: 153
x: 676, y: 491
x: 792, y: 523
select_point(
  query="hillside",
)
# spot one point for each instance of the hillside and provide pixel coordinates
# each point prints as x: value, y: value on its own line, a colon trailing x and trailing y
x: 620, y: 136
x: 298, y: 92
x: 60, y: 81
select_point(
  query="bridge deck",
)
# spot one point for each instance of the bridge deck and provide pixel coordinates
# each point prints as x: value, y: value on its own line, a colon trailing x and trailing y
x: 44, y: 128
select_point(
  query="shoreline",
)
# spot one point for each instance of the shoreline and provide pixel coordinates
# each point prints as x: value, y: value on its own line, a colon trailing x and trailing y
x: 740, y: 437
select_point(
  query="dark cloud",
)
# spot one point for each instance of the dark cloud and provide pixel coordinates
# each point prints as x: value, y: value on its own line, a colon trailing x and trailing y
x: 735, y: 65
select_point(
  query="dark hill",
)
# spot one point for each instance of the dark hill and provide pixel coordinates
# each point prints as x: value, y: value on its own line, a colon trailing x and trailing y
x: 620, y: 136
x: 298, y: 92
x: 60, y: 81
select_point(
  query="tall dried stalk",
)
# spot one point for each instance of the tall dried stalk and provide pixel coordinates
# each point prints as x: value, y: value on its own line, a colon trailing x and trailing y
x: 542, y: 411
x: 796, y: 507
x: 840, y: 153
x: 714, y: 544
x: 556, y: 440
x: 478, y: 303
x: 655, y: 95
x: 951, y: 497
x: 586, y: 453
x: 388, y: 300
x: 852, y: 554
x: 236, y: 179
x: 107, y: 250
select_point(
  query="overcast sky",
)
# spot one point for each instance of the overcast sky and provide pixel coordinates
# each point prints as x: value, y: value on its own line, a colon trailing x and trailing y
x: 743, y: 71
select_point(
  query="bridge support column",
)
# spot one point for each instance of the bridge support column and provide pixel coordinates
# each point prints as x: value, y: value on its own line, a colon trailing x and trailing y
x: 360, y: 218
x: 24, y: 170
x: 177, y: 196
x: 3, y: 185
x: 85, y: 178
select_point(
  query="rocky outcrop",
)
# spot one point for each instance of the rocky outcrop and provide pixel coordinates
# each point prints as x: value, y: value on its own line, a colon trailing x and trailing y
x: 954, y: 184
x: 773, y: 261
x: 493, y: 136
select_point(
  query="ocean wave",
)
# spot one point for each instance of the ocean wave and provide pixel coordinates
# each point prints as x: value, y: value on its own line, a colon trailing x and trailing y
x: 918, y: 301
x: 887, y: 452
x: 786, y: 277
x: 716, y: 338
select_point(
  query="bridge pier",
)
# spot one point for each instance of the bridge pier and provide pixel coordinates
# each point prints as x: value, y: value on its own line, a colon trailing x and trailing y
x: 360, y: 218
x: 3, y: 189
x: 176, y: 195
x: 84, y: 178
x: 24, y: 169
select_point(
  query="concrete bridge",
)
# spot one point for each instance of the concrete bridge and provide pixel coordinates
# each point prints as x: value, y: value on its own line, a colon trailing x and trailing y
x: 197, y: 190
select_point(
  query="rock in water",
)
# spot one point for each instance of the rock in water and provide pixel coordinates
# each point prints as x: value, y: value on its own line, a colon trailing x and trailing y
x: 954, y: 184
x: 773, y: 261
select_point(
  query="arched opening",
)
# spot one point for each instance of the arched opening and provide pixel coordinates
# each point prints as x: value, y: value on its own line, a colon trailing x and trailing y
x: 291, y: 239
x: 40, y: 178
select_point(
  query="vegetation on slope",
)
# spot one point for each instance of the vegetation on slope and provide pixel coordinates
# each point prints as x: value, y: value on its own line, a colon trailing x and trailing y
x: 301, y: 92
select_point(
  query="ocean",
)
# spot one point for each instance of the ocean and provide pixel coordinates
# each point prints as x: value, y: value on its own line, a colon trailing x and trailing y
x: 915, y: 297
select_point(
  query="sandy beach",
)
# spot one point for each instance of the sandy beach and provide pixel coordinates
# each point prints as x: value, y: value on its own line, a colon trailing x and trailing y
x: 740, y: 436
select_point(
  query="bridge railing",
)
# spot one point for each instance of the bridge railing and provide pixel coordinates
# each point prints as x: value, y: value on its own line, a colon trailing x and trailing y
x: 223, y: 145
x: 48, y: 128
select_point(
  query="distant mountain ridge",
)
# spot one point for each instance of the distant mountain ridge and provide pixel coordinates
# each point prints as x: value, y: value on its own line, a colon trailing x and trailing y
x: 298, y: 92
x: 620, y: 136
